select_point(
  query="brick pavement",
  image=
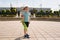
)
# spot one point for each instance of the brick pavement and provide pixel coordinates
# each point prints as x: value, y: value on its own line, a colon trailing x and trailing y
x: 38, y: 30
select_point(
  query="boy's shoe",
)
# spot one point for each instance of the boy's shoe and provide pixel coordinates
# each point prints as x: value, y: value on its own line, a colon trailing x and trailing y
x: 26, y: 36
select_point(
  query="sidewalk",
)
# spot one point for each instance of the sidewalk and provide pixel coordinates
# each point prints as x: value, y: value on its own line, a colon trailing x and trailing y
x: 38, y: 30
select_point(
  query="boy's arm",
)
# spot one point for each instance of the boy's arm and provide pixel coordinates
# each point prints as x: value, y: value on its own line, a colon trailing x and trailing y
x: 22, y: 18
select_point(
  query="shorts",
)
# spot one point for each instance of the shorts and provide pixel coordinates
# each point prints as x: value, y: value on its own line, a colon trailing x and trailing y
x: 27, y: 24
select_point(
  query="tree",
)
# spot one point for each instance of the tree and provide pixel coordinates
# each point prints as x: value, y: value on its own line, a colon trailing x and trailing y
x: 0, y: 12
x: 42, y: 13
x: 13, y: 11
x: 33, y: 11
x: 38, y: 14
x: 56, y: 13
x: 4, y: 12
x: 8, y: 12
x: 59, y: 13
x: 47, y: 13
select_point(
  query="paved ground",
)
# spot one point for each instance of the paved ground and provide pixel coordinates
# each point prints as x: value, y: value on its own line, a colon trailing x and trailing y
x: 38, y: 30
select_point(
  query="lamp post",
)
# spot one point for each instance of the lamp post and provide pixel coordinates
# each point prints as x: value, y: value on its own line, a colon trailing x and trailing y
x: 10, y: 4
x: 41, y: 6
x: 59, y: 6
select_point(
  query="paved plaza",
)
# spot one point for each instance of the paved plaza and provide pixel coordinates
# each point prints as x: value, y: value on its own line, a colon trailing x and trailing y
x: 38, y: 30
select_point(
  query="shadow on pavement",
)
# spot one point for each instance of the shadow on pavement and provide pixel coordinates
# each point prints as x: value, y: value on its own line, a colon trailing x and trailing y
x: 19, y: 38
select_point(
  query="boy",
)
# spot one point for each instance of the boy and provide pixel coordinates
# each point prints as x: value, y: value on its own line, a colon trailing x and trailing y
x: 25, y: 20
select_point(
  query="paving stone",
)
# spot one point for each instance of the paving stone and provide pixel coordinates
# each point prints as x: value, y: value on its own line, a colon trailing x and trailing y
x: 38, y: 30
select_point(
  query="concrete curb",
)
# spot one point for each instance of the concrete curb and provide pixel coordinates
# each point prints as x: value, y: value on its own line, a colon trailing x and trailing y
x: 38, y: 19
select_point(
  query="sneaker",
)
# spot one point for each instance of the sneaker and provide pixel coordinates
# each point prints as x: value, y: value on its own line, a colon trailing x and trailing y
x: 27, y: 36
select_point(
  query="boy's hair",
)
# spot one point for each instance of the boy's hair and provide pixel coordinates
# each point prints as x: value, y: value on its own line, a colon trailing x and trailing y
x: 25, y: 7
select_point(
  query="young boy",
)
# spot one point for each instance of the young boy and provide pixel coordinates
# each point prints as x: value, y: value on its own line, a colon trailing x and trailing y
x: 25, y: 20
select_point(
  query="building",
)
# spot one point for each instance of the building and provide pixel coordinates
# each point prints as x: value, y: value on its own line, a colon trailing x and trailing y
x: 19, y: 9
x: 39, y: 9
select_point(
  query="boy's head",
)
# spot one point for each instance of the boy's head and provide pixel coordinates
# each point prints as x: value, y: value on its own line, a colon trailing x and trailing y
x: 26, y: 8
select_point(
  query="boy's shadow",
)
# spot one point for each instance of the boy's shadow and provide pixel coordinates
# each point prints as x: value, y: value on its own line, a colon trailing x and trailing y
x: 19, y: 38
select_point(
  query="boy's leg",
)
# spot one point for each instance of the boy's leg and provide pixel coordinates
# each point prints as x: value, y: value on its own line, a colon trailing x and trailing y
x: 25, y: 30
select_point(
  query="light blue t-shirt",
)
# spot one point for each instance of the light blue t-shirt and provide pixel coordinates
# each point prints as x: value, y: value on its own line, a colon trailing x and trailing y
x: 26, y: 16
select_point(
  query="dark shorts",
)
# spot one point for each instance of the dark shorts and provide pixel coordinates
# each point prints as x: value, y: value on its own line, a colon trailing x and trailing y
x: 27, y: 24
